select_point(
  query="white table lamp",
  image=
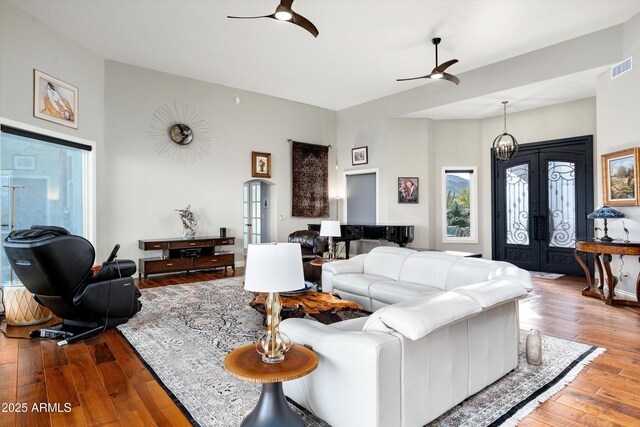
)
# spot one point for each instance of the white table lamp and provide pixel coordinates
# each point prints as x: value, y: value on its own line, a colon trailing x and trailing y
x: 330, y: 229
x: 273, y: 268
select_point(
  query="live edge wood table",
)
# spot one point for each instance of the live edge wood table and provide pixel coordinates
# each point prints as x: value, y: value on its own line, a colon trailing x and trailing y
x: 272, y: 410
x: 322, y: 306
x: 199, y: 253
x: 602, y: 254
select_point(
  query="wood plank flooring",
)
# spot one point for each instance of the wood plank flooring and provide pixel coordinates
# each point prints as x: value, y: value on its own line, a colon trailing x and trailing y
x: 105, y: 384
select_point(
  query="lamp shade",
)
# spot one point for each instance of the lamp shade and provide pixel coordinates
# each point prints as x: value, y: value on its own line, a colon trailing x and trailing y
x: 605, y: 212
x: 274, y: 267
x: 330, y: 228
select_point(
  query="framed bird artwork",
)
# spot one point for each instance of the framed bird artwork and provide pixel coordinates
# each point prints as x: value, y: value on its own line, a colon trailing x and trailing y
x: 54, y: 100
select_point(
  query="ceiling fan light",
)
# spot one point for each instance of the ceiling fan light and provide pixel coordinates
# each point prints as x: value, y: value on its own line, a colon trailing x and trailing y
x: 437, y: 76
x: 283, y: 14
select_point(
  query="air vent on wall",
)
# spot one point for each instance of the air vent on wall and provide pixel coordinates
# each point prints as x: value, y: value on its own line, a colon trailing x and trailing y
x: 621, y: 68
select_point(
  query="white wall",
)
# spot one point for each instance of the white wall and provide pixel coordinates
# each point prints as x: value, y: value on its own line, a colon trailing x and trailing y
x: 27, y: 44
x: 372, y: 124
x: 143, y: 188
x: 468, y: 143
x: 397, y: 148
x: 618, y: 109
x: 458, y: 143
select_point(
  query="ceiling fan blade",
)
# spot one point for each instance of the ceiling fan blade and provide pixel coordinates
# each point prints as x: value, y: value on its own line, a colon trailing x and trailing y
x: 428, y: 76
x: 303, y: 22
x: 273, y: 15
x: 440, y: 68
x: 450, y: 77
x: 286, y: 3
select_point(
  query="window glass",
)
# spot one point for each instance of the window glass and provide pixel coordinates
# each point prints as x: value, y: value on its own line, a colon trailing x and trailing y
x: 51, y: 186
x: 459, y: 205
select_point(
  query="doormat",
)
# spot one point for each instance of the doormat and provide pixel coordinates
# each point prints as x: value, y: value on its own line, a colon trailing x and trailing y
x: 543, y: 275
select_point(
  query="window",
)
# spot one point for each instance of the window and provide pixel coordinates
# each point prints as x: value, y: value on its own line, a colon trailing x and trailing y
x: 361, y: 196
x: 50, y: 175
x: 459, y: 205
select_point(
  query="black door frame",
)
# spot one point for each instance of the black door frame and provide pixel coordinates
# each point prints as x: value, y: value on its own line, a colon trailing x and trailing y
x: 582, y: 144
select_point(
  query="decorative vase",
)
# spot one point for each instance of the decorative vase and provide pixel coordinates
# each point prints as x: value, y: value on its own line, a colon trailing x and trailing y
x: 534, y: 348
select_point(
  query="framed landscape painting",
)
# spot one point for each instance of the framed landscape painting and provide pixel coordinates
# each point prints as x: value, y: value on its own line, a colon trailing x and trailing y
x: 620, y: 177
x: 54, y: 100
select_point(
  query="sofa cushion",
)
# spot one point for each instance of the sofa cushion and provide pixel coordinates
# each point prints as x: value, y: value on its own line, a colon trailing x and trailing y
x: 351, y: 265
x: 416, y: 319
x: 374, y: 322
x: 493, y: 292
x: 355, y: 283
x: 386, y: 261
x: 392, y: 292
x: 504, y: 270
x: 428, y: 268
x: 350, y: 325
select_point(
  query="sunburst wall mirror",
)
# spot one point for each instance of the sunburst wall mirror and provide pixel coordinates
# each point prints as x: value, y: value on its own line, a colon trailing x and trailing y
x: 180, y: 133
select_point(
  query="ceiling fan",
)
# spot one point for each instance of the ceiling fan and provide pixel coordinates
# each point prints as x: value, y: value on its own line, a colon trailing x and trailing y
x: 285, y: 13
x: 438, y: 73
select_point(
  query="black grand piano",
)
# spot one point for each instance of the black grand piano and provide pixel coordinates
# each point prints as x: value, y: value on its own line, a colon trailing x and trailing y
x: 401, y: 235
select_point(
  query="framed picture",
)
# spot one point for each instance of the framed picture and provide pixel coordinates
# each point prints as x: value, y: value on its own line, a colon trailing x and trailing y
x: 620, y: 177
x: 24, y: 163
x: 359, y: 156
x: 408, y: 190
x: 260, y: 165
x: 54, y: 100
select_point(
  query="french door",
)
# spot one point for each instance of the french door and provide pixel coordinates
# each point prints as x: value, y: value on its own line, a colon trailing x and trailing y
x: 256, y: 214
x: 541, y: 200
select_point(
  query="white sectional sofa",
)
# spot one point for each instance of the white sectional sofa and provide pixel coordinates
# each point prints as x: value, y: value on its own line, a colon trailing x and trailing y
x: 388, y: 275
x: 445, y: 328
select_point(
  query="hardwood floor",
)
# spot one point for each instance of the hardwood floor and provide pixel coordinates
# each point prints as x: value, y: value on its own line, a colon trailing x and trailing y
x: 101, y: 380
x: 105, y: 384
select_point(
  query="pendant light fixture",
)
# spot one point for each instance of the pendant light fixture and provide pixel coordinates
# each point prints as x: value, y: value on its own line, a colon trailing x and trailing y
x: 505, y: 145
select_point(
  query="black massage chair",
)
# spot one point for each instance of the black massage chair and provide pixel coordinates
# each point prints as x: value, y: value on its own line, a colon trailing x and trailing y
x: 56, y: 268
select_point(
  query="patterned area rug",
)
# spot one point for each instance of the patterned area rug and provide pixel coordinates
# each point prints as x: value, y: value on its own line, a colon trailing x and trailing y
x: 184, y: 332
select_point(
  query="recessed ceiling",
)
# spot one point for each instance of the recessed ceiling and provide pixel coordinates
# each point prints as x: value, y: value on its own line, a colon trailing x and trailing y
x: 362, y: 48
x: 549, y: 92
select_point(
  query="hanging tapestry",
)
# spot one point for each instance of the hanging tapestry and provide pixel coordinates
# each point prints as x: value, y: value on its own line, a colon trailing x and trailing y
x: 310, y: 195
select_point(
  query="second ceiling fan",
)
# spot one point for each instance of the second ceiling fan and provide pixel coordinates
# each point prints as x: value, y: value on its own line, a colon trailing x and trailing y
x: 285, y: 13
x: 438, y: 73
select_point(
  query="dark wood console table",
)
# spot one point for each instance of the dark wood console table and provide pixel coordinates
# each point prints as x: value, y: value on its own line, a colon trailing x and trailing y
x: 602, y: 254
x: 204, y: 255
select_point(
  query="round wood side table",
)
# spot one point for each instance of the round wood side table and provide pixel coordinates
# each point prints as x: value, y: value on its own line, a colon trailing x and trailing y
x: 318, y: 263
x: 272, y: 409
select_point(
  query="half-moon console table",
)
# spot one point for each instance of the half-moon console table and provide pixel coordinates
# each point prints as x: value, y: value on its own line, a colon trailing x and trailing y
x: 602, y: 254
x: 199, y: 253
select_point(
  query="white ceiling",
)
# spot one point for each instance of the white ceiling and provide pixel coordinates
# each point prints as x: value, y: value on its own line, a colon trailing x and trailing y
x: 550, y: 92
x: 362, y: 48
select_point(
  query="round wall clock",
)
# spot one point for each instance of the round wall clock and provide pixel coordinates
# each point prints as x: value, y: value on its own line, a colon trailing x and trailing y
x: 181, y: 134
